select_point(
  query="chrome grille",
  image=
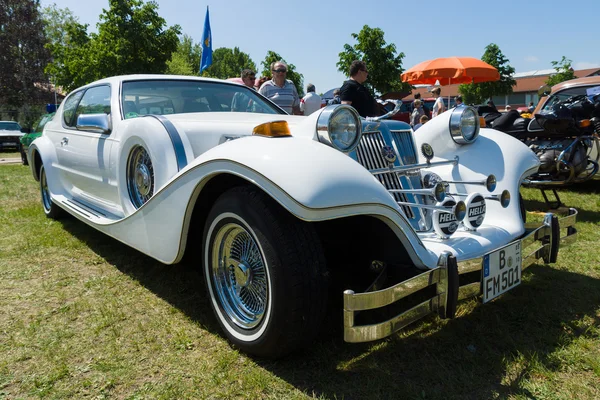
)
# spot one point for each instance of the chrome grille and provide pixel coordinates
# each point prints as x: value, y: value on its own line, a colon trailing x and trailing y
x: 368, y: 153
x: 406, y: 146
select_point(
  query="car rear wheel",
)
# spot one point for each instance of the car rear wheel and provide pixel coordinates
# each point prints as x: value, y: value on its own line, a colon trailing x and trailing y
x: 50, y: 209
x: 265, y: 273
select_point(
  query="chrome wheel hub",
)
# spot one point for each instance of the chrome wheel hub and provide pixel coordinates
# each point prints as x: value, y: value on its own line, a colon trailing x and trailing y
x: 143, y: 180
x: 140, y: 176
x: 239, y: 276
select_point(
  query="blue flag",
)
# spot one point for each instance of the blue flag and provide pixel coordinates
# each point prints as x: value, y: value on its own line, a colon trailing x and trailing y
x: 206, y: 60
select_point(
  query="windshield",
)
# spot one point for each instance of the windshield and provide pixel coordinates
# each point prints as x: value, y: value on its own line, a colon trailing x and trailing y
x: 563, y: 95
x: 162, y: 97
x: 9, y: 126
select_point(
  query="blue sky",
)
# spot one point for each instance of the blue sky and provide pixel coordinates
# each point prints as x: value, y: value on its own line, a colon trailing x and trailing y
x: 530, y: 34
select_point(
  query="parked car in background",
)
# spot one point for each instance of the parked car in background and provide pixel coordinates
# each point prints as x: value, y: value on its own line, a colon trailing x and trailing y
x: 10, y: 134
x: 27, y: 138
x: 278, y: 210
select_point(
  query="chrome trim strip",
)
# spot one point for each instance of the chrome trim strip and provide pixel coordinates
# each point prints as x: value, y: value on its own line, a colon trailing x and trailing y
x: 175, y: 139
x: 381, y: 298
x: 367, y: 333
x: 469, y: 290
x: 414, y: 167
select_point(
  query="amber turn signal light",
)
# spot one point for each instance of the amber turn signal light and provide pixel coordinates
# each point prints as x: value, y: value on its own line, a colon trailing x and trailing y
x: 584, y: 123
x: 272, y: 129
x: 482, y: 122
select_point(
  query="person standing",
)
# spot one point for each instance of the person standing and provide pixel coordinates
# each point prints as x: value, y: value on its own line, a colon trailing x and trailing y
x: 415, y: 117
x: 281, y: 91
x: 241, y: 102
x: 311, y: 102
x: 354, y: 93
x: 422, y: 121
x: 438, y: 106
x: 336, y: 98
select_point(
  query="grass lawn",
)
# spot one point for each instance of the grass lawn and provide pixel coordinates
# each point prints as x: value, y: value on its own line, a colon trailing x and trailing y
x: 86, y: 316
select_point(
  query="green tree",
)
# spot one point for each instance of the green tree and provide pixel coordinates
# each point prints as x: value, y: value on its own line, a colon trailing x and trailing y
x: 292, y: 74
x: 131, y: 38
x: 229, y: 63
x: 564, y: 72
x: 70, y: 47
x: 476, y: 93
x: 186, y: 59
x: 23, y: 55
x: 383, y: 64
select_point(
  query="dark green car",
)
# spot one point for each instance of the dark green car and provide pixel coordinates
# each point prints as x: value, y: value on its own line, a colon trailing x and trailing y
x: 30, y: 137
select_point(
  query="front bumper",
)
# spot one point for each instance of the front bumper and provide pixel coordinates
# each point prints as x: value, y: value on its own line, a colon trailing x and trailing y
x: 450, y: 281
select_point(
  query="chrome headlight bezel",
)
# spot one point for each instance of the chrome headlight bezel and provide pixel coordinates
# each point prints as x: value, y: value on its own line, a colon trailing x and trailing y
x: 458, y: 126
x: 325, y: 130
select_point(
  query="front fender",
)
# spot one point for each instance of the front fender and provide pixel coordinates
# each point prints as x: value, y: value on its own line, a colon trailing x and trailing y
x: 494, y: 153
x: 312, y: 181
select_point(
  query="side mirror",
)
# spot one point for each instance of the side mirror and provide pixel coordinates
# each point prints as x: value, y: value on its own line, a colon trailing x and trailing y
x: 25, y: 130
x: 98, y: 123
x: 544, y: 90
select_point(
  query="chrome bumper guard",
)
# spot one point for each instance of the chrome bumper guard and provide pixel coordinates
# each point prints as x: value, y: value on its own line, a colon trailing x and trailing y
x: 540, y: 241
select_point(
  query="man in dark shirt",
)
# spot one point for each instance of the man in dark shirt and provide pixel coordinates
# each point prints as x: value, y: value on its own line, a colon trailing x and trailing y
x: 354, y: 93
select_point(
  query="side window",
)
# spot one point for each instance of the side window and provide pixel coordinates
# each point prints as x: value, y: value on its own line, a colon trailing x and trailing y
x: 96, y: 100
x: 69, y: 108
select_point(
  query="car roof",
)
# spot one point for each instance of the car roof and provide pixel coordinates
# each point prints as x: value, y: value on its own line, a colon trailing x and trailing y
x: 588, y: 80
x: 139, y: 77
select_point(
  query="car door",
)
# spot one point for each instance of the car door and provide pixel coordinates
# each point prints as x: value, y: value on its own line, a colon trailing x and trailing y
x: 84, y: 155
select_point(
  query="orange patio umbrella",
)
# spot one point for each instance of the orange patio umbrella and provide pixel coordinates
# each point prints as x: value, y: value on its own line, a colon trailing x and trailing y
x: 451, y: 70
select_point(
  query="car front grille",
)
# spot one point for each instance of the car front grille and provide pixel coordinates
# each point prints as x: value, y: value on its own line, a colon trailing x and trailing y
x: 368, y: 154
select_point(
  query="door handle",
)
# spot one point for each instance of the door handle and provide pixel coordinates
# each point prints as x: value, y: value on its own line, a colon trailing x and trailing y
x: 64, y: 141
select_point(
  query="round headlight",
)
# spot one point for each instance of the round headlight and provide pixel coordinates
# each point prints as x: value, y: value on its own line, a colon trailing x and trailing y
x: 464, y: 125
x: 339, y: 126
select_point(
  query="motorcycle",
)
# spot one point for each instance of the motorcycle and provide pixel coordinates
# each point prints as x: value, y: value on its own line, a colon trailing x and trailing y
x: 565, y: 136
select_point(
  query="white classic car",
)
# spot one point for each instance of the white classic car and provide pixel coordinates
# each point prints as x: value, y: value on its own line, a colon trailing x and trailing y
x: 281, y: 211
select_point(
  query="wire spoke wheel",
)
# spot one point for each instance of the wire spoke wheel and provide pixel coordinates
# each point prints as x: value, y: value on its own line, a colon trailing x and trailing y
x: 239, y: 276
x: 140, y: 176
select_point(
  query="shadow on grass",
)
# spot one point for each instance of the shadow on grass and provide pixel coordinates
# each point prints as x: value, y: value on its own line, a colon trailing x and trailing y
x: 583, y: 215
x: 485, y: 353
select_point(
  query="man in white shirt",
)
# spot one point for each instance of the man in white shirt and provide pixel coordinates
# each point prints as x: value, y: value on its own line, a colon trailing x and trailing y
x: 311, y: 102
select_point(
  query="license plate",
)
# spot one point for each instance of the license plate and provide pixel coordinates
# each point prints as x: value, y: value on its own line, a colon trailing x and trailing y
x: 501, y: 271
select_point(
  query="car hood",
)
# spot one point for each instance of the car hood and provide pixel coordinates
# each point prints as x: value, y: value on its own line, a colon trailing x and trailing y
x: 4, y: 132
x: 207, y: 130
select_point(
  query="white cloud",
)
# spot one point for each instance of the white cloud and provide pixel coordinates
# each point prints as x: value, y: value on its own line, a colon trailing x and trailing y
x: 585, y: 65
x: 532, y: 59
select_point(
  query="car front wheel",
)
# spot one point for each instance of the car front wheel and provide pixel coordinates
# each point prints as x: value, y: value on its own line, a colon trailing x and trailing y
x: 265, y: 273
